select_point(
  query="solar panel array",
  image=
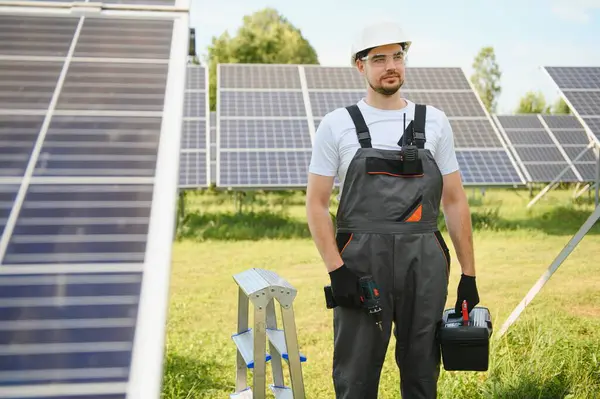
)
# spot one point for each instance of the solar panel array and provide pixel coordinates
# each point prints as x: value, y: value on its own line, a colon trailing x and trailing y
x: 549, y: 146
x: 194, y: 168
x: 267, y: 115
x: 87, y: 198
x: 580, y: 87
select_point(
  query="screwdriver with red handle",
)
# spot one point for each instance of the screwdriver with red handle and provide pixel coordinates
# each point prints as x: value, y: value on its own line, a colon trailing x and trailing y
x: 465, y: 313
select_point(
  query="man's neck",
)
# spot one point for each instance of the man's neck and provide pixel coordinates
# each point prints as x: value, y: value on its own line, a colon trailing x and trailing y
x: 380, y: 101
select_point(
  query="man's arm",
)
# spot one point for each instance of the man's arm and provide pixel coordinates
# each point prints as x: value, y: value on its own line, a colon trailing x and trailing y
x: 322, y: 170
x: 318, y: 193
x: 458, y: 221
x: 454, y: 200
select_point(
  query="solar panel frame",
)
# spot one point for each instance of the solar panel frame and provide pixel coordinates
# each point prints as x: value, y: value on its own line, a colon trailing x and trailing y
x: 195, y: 169
x: 145, y: 371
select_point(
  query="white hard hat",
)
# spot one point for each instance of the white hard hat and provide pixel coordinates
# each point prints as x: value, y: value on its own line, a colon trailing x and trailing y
x: 379, y: 34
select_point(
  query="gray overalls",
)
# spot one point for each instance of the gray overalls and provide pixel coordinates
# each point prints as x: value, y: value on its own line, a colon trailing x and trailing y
x: 387, y: 227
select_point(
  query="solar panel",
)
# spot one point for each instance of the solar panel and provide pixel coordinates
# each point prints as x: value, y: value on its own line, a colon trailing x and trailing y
x: 575, y: 142
x: 580, y: 88
x: 213, y: 146
x: 87, y: 198
x: 545, y: 145
x: 263, y: 129
x: 194, y: 163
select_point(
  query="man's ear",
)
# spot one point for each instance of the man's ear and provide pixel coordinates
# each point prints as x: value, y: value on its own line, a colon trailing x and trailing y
x: 360, y: 66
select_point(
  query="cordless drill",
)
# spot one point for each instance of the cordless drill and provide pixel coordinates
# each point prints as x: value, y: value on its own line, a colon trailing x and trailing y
x: 369, y: 298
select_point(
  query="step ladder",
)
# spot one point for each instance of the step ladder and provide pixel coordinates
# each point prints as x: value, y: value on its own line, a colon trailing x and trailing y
x: 262, y: 288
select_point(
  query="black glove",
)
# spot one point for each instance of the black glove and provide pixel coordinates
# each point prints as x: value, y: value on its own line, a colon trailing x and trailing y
x: 467, y: 290
x: 345, y: 287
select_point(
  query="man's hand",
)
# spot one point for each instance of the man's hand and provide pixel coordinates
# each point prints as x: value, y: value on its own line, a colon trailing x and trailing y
x: 467, y: 290
x: 345, y: 287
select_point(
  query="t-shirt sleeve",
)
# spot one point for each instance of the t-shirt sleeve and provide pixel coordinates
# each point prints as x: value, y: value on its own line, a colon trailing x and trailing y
x: 445, y: 155
x: 325, y: 159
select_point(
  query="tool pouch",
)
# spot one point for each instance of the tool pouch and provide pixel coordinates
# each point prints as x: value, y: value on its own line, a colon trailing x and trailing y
x: 394, y: 167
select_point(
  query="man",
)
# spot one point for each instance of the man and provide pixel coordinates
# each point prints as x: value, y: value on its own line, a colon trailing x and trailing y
x: 386, y: 222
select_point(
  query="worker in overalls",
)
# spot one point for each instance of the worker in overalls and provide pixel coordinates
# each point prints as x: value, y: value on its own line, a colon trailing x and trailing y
x: 396, y: 164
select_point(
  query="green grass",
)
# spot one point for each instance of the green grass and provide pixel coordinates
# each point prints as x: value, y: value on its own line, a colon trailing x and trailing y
x: 553, y: 351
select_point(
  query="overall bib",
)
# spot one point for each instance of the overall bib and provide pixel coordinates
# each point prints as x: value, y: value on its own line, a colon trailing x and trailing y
x: 387, y: 227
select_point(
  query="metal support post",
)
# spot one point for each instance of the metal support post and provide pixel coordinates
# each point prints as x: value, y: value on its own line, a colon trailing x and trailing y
x: 597, y: 151
x: 562, y: 256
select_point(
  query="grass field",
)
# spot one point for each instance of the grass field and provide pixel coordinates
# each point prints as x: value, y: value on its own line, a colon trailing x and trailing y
x: 553, y: 351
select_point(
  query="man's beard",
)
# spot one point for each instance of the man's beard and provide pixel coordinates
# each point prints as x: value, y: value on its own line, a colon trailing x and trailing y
x: 388, y: 91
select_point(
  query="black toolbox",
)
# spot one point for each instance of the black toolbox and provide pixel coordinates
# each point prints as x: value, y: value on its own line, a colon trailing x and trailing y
x: 465, y: 345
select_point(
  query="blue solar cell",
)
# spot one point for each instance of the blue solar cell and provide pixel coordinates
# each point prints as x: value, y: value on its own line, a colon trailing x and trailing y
x: 124, y: 38
x: 67, y: 335
x: 60, y: 286
x: 264, y: 168
x: 18, y: 134
x: 109, y: 146
x: 8, y: 194
x: 259, y: 103
x: 575, y: 77
x: 21, y: 363
x: 194, y: 104
x: 192, y: 169
x: 125, y: 209
x: 34, y: 81
x: 487, y: 167
x: 110, y: 86
x: 196, y: 77
x: 68, y: 312
x: 265, y: 134
x: 594, y: 125
x: 546, y: 172
x: 36, y: 36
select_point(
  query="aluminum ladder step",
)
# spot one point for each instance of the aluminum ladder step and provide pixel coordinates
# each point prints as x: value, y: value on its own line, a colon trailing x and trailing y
x: 245, y: 394
x: 277, y: 338
x: 279, y: 392
x: 245, y: 344
x: 282, y: 392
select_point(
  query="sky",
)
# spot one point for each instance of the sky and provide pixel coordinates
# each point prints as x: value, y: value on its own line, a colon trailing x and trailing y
x: 525, y: 34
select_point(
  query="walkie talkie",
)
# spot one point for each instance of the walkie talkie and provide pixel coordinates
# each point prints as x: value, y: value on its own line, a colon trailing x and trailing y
x: 411, y: 162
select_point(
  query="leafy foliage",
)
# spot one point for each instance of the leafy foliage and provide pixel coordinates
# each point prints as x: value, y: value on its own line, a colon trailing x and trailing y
x: 265, y: 37
x: 533, y: 103
x: 486, y: 78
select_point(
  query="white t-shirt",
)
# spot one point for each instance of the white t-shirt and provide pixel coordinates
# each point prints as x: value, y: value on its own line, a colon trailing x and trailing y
x: 336, y: 141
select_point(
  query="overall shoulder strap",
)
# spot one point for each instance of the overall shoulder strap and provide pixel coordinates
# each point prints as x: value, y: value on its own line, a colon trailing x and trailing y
x: 362, y: 131
x: 419, y: 125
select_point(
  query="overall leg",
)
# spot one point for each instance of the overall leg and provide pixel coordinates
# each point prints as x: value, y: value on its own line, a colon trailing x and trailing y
x: 359, y: 345
x: 421, y: 308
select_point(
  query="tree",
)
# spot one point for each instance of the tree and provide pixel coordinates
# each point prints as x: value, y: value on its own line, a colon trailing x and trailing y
x: 533, y: 103
x: 265, y: 37
x: 560, y: 107
x: 486, y: 77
